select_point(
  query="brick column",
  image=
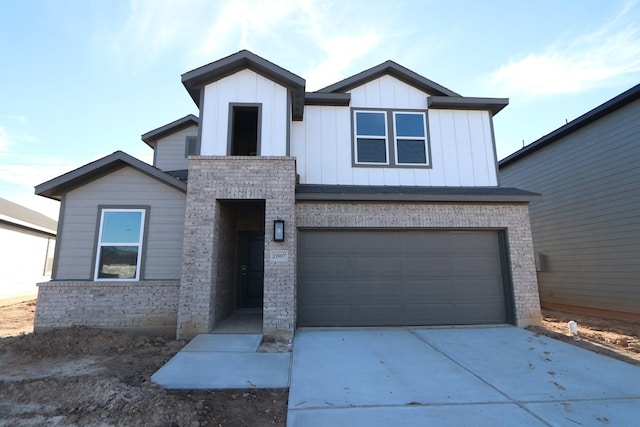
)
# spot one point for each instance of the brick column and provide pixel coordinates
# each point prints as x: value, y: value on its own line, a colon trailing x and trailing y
x: 271, y: 179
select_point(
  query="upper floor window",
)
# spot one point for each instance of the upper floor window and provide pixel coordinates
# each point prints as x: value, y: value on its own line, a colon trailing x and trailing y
x: 244, y: 129
x: 119, y: 250
x: 396, y: 138
x: 191, y: 146
x: 371, y: 137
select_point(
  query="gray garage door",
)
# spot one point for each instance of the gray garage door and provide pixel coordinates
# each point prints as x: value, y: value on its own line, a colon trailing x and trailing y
x: 412, y: 277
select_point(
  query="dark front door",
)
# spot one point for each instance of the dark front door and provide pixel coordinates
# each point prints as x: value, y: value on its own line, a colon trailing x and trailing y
x: 251, y: 270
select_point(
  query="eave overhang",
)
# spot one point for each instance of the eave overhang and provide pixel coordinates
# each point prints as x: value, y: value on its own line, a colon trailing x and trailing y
x: 316, y: 192
x: 393, y: 69
x: 329, y: 99
x: 494, y: 105
x: 57, y: 187
x: 163, y: 131
x: 195, y: 80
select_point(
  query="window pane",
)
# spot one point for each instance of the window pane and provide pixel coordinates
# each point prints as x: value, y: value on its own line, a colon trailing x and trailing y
x: 121, y: 227
x: 410, y: 125
x: 118, y: 262
x: 370, y: 124
x: 411, y: 151
x: 372, y: 150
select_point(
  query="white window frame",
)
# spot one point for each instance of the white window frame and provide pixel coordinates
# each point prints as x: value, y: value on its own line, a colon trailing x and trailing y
x: 139, y: 244
x: 411, y: 138
x: 385, y: 137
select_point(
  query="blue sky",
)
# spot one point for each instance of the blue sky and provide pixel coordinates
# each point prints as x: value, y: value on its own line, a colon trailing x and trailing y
x: 81, y: 79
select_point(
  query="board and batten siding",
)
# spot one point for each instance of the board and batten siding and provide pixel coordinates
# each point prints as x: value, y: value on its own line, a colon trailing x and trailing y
x: 169, y: 152
x: 461, y: 142
x: 587, y: 222
x: 248, y: 87
x: 127, y: 186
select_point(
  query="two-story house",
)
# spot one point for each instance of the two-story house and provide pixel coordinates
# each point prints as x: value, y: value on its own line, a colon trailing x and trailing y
x: 372, y: 202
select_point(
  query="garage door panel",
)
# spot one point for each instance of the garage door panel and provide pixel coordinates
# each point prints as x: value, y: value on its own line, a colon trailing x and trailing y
x: 482, y: 266
x: 375, y: 267
x: 479, y: 312
x: 369, y: 290
x: 464, y: 242
x: 429, y: 314
x: 327, y: 266
x: 377, y: 314
x: 428, y: 289
x: 400, y: 277
x: 477, y: 289
x: 324, y: 315
x: 326, y: 291
x: 373, y: 242
x: 421, y: 265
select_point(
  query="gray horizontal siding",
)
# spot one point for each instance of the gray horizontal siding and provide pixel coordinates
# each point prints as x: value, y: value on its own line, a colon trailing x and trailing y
x: 587, y: 222
x: 127, y: 186
x: 169, y: 152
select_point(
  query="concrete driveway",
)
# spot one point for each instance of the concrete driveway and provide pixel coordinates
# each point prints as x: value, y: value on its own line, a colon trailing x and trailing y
x: 502, y: 376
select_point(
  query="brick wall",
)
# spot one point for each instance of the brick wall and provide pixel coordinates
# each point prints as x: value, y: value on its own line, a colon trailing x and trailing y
x: 148, y: 307
x: 213, y: 178
x: 514, y: 218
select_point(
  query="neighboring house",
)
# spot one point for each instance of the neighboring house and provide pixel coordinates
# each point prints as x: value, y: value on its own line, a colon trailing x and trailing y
x: 26, y: 256
x: 586, y: 225
x: 372, y: 202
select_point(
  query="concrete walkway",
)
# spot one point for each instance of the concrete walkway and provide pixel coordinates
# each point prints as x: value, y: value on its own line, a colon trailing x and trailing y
x: 224, y: 361
x: 501, y: 376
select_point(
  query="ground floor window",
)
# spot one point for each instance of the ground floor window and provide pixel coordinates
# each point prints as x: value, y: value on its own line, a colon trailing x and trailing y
x: 120, y: 237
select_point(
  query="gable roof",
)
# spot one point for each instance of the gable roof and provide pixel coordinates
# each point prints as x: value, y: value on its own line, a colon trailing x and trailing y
x: 55, y: 188
x: 393, y: 69
x: 195, y: 80
x: 152, y: 136
x: 21, y: 216
x: 440, y: 96
x: 591, y: 116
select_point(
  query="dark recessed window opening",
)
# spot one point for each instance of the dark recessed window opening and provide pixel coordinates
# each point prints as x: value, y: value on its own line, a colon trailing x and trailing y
x: 244, y: 131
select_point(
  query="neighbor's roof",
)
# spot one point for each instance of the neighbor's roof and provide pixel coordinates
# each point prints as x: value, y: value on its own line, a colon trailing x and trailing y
x: 597, y: 113
x: 168, y: 129
x: 55, y: 188
x: 21, y: 216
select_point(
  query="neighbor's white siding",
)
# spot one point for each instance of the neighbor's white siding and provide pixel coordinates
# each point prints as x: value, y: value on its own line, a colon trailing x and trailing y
x: 461, y: 142
x: 127, y: 186
x: 169, y: 152
x: 23, y: 255
x: 244, y: 86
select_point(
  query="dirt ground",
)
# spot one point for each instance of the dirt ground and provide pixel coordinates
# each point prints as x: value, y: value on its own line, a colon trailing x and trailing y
x: 619, y: 339
x: 92, y: 377
x: 82, y: 376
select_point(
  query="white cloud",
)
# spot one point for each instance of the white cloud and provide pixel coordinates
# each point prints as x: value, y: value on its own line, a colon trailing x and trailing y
x: 151, y: 28
x: 22, y: 120
x: 590, y: 60
x: 30, y: 173
x: 202, y: 31
x: 340, y: 52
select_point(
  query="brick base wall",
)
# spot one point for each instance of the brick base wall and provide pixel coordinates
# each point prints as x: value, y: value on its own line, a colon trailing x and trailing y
x: 146, y: 307
x: 513, y: 218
